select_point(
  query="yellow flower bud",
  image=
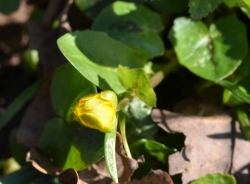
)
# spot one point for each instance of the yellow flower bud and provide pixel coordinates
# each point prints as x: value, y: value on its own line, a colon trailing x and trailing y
x: 97, y: 111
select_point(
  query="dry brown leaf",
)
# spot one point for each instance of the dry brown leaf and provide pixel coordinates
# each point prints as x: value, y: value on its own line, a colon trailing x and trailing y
x: 208, y: 143
x: 153, y: 177
x: 98, y: 173
x: 42, y: 163
x: 129, y: 164
x: 45, y: 165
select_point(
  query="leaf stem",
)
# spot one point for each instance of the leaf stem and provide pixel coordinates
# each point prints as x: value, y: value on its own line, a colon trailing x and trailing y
x: 158, y: 77
x: 125, y: 101
x: 244, y: 121
x: 122, y: 126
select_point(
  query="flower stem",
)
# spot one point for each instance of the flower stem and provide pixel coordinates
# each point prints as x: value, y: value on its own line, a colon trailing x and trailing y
x: 125, y: 101
x: 122, y: 126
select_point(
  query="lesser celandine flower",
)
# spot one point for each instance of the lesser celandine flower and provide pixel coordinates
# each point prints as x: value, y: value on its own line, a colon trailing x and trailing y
x: 97, y: 111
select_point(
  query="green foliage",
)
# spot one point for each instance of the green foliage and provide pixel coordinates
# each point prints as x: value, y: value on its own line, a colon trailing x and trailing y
x: 25, y: 175
x: 213, y: 53
x: 109, y: 152
x: 124, y: 21
x: 18, y: 103
x: 152, y: 148
x: 67, y: 87
x: 136, y: 80
x: 98, y: 65
x: 139, y: 123
x: 71, y: 145
x: 7, y: 6
x: 113, y: 53
x: 217, y: 178
x: 201, y: 8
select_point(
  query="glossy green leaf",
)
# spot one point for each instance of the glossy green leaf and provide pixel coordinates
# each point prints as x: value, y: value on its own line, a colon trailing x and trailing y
x: 153, y: 148
x: 18, y: 103
x: 136, y: 80
x: 98, y: 65
x: 160, y: 151
x: 217, y: 178
x: 68, y: 85
x: 201, y: 8
x: 139, y: 122
x: 235, y: 89
x: 134, y: 25
x: 7, y: 6
x: 213, y: 53
x: 71, y: 145
x: 109, y: 153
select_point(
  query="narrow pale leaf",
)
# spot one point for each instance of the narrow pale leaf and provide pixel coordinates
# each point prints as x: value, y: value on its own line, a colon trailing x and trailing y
x: 109, y: 152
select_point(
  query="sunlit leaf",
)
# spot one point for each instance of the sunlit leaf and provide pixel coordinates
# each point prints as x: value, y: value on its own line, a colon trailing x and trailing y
x: 98, y: 65
x: 217, y: 178
x: 136, y: 80
x: 213, y: 53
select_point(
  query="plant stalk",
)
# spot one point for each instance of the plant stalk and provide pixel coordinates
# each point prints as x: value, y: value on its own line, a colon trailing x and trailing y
x: 158, y: 77
x: 244, y: 121
x: 122, y: 126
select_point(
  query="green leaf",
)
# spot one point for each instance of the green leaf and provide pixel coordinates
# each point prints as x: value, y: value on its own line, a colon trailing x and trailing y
x: 18, y: 103
x: 217, y: 178
x: 243, y: 70
x: 7, y: 6
x: 24, y: 175
x: 153, y: 148
x: 244, y: 121
x: 139, y: 122
x: 109, y: 152
x: 160, y: 151
x: 235, y: 89
x: 240, y: 3
x: 71, y: 145
x: 68, y: 85
x: 211, y: 54
x: 134, y: 25
x: 92, y: 8
x: 96, y: 56
x: 137, y: 81
x: 201, y: 8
